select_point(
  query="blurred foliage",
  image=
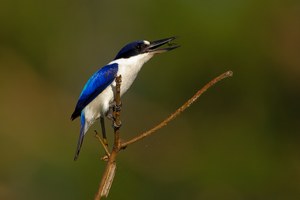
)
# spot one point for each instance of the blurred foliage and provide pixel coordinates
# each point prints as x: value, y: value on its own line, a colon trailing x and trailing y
x: 239, y: 141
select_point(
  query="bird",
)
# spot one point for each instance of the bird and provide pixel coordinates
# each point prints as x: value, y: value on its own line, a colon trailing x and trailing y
x: 97, y: 95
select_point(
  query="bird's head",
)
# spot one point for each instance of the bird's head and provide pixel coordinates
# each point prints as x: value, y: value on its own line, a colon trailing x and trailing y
x: 146, y: 48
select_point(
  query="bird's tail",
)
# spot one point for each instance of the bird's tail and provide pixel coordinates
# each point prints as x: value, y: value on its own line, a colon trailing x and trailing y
x: 83, y: 130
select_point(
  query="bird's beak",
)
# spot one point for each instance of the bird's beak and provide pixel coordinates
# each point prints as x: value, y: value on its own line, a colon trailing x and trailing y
x: 153, y: 47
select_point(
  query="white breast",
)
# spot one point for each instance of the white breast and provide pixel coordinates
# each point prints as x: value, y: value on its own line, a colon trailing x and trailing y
x: 128, y: 68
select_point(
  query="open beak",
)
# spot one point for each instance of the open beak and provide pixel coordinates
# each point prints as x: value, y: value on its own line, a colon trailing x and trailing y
x: 153, y: 47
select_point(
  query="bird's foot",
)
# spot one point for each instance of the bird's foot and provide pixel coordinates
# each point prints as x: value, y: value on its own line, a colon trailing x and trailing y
x: 117, y: 125
x: 110, y: 114
x: 117, y: 108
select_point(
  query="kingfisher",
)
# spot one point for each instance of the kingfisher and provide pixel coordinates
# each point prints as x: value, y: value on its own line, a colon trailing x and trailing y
x: 97, y: 96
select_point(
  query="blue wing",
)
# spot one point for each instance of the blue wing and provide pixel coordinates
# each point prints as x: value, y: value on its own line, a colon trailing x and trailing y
x: 95, y: 85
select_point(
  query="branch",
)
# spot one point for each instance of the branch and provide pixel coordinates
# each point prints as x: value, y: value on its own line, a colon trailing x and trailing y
x: 178, y: 111
x: 110, y: 169
x: 103, y: 145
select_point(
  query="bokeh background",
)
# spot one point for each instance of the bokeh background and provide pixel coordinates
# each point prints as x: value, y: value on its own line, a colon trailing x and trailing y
x: 240, y: 140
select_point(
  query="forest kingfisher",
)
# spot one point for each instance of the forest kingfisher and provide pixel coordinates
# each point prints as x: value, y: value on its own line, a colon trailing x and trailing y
x: 97, y: 96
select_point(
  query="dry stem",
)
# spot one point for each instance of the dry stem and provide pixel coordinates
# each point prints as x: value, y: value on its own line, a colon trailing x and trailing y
x: 110, y: 169
x: 109, y: 172
x: 103, y: 144
x: 178, y: 111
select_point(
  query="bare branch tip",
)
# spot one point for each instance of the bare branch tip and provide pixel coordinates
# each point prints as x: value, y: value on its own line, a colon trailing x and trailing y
x: 105, y: 158
x: 229, y: 73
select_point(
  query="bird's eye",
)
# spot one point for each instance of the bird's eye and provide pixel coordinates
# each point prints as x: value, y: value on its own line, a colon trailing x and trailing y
x: 139, y: 46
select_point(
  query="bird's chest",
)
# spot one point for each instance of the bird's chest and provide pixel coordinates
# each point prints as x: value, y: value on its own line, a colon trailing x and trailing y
x: 128, y: 74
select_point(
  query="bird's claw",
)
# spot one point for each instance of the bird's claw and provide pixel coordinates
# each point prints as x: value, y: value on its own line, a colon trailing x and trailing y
x: 117, y: 108
x: 110, y: 116
x: 117, y: 125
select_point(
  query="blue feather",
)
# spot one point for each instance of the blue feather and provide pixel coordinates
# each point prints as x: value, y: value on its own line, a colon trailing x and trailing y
x: 95, y: 85
x: 81, y: 135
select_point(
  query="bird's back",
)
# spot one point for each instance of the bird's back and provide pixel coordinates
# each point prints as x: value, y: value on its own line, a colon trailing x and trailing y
x: 94, y: 86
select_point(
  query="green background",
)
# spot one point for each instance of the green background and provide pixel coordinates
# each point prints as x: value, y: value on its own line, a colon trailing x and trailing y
x: 240, y: 140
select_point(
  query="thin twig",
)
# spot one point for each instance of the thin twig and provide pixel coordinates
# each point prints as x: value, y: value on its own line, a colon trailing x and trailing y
x: 102, y: 143
x: 110, y: 170
x: 178, y: 111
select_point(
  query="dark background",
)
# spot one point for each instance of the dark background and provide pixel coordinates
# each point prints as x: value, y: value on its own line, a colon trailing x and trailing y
x: 240, y: 140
